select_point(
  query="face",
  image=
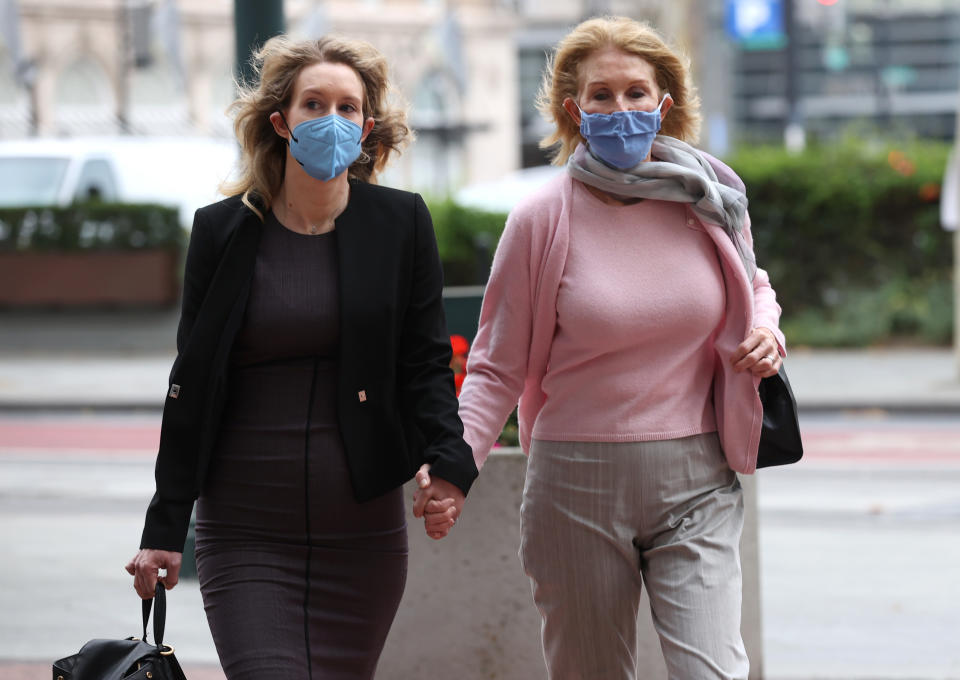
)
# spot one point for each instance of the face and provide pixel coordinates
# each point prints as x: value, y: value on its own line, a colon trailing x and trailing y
x: 321, y: 90
x: 613, y: 80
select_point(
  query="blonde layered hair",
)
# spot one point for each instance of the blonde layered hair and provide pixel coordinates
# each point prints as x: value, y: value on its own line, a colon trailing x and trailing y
x: 562, y: 79
x: 276, y: 66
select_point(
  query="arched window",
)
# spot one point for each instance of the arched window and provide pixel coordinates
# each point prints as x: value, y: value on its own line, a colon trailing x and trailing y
x: 8, y: 85
x: 14, y: 102
x: 436, y: 115
x: 84, y: 99
x: 158, y: 100
x: 222, y: 93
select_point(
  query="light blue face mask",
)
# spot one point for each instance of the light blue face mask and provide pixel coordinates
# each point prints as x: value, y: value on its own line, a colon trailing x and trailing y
x: 623, y: 138
x: 325, y: 146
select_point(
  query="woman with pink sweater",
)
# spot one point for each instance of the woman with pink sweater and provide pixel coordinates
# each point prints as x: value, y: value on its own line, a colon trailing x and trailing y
x: 627, y: 316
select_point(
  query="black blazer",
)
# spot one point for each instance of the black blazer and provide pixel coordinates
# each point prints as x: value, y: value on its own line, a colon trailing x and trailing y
x: 397, y: 404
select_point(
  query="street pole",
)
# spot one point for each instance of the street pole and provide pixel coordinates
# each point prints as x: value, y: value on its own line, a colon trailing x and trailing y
x: 123, y: 70
x: 956, y: 243
x: 794, y: 135
x: 255, y: 22
x: 714, y: 59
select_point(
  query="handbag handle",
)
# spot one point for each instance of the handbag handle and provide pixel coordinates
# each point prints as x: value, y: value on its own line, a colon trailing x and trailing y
x: 159, y: 614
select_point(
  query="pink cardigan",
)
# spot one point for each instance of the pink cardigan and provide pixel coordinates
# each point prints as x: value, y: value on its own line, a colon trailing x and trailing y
x: 518, y: 316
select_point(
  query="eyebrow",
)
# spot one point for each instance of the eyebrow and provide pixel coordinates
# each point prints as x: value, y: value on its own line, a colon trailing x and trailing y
x: 603, y: 83
x: 314, y: 91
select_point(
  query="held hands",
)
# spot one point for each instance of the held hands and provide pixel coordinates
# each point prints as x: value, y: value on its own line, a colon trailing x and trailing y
x: 145, y: 568
x: 759, y: 354
x: 438, y: 501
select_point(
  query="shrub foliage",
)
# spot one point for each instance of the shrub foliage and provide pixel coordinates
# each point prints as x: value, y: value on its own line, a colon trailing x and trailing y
x: 90, y: 226
x: 851, y: 238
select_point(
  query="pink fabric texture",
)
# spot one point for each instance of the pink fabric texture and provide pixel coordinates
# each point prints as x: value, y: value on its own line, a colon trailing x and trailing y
x: 658, y: 275
x: 510, y: 354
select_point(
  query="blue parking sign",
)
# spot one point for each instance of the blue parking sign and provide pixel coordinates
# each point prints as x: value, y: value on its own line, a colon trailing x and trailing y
x: 756, y: 23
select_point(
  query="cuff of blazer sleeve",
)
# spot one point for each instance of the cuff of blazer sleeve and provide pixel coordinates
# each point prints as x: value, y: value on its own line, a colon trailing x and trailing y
x: 166, y: 525
x: 459, y: 473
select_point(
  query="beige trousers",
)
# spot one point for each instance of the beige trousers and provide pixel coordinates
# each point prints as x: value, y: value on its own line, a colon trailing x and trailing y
x: 601, y: 519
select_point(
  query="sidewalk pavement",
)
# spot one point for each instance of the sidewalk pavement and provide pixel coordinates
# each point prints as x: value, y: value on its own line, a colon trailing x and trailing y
x: 120, y: 360
x: 902, y: 379
x: 96, y: 363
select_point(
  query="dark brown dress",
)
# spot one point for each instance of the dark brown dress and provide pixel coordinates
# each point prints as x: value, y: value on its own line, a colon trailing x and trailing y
x: 298, y: 579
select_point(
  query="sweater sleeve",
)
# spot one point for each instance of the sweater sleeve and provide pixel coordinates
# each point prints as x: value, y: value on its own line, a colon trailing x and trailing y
x: 766, y: 309
x: 499, y: 358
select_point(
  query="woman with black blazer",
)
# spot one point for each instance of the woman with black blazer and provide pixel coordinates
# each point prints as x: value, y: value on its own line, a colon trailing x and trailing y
x: 312, y: 379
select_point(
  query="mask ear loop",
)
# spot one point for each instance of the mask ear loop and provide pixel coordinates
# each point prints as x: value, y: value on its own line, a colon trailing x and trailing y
x: 665, y: 95
x: 287, y: 125
x: 582, y: 114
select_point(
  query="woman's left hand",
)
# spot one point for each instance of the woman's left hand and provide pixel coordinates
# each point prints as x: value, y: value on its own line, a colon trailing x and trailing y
x: 759, y: 354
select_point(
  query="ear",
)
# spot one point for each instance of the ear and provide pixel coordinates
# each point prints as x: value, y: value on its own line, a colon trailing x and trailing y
x: 279, y: 126
x: 572, y: 109
x: 367, y: 127
x: 665, y: 106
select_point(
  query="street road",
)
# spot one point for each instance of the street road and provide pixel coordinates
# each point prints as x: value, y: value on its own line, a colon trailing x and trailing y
x: 859, y: 546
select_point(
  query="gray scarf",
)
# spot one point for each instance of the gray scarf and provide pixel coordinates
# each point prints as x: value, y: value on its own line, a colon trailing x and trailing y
x: 681, y: 174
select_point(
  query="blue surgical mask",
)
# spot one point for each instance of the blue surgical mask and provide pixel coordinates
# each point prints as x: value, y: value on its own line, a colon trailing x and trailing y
x: 623, y: 138
x: 325, y: 146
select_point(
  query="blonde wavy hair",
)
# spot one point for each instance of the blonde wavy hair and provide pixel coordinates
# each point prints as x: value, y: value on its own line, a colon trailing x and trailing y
x: 562, y: 79
x: 276, y: 66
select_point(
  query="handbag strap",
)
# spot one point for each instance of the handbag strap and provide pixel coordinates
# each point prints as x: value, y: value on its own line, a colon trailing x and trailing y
x: 159, y: 614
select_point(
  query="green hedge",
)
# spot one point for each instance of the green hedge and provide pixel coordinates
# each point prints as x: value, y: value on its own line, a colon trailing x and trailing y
x: 463, y: 235
x: 90, y: 226
x: 851, y: 238
x: 849, y: 234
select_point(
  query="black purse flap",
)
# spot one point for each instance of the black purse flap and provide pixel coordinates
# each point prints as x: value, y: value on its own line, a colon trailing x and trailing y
x: 104, y: 660
x: 129, y: 659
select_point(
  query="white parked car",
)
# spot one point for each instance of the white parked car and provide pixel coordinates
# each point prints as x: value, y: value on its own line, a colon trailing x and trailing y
x: 180, y: 171
x: 502, y: 194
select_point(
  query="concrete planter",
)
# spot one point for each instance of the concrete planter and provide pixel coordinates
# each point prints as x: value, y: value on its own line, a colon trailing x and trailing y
x: 147, y: 277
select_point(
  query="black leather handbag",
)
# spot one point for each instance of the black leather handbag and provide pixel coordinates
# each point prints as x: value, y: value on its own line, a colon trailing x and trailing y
x: 132, y: 658
x: 780, y: 442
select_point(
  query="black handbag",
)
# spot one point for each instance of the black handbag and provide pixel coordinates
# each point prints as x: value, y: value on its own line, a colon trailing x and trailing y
x: 133, y: 659
x: 780, y: 442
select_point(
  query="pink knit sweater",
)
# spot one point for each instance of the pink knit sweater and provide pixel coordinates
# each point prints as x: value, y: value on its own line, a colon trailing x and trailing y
x: 639, y: 300
x: 510, y: 355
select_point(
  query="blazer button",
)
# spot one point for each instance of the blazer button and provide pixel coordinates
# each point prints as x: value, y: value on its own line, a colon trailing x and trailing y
x: 362, y: 395
x: 174, y: 391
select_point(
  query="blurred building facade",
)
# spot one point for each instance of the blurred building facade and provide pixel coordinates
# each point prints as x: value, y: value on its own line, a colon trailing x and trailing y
x: 861, y: 66
x: 470, y: 69
x: 868, y: 67
x: 165, y: 67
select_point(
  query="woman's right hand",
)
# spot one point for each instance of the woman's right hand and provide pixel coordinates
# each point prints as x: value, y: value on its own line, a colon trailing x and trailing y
x: 438, y: 501
x: 145, y: 567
